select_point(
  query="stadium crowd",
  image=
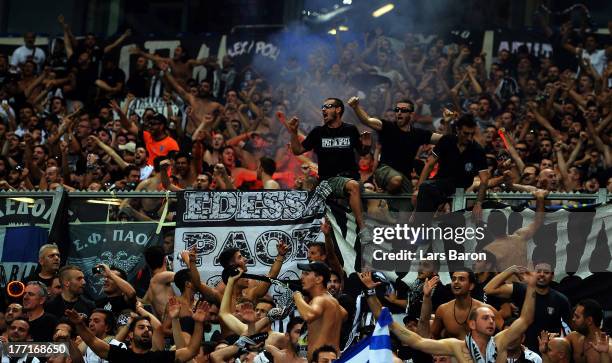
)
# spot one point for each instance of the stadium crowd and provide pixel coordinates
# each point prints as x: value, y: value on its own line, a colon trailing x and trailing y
x: 441, y: 120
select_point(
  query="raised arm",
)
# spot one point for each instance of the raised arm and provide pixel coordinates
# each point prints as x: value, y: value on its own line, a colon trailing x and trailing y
x: 426, y: 307
x: 429, y: 346
x: 225, y: 310
x: 189, y: 257
x: 261, y: 288
x: 429, y: 165
x: 520, y: 325
x: 117, y: 42
x: 296, y: 146
x: 125, y: 122
x: 498, y: 286
x: 192, y: 349
x: 526, y: 233
x: 309, y: 312
x: 330, y: 249
x: 110, y: 151
x: 99, y: 346
x: 363, y: 116
x: 174, y: 84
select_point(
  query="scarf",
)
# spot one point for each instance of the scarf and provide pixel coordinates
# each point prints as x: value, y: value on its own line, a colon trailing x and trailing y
x: 490, y: 353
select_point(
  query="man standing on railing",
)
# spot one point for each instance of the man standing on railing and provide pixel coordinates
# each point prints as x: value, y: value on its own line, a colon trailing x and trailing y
x: 399, y: 144
x: 459, y: 160
x: 335, y: 144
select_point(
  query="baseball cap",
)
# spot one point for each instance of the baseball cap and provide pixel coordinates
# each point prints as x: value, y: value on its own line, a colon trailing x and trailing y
x: 318, y: 267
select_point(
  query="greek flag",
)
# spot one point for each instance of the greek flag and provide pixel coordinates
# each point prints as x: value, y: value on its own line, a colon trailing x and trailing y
x: 374, y: 349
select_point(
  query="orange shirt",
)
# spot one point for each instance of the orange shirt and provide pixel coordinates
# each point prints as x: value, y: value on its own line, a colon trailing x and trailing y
x: 158, y: 148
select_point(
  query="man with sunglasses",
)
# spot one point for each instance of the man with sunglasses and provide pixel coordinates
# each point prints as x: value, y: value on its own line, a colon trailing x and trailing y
x: 335, y: 144
x: 459, y: 160
x: 399, y: 145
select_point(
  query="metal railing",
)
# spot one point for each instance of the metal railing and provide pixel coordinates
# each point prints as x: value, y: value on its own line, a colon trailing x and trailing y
x: 459, y: 199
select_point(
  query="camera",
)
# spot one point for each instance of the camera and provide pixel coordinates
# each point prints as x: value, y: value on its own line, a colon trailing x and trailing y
x: 96, y: 270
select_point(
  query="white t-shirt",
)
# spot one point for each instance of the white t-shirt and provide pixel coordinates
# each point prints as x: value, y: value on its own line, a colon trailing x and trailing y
x: 91, y: 357
x: 23, y: 359
x: 145, y: 172
x: 598, y: 59
x: 21, y: 54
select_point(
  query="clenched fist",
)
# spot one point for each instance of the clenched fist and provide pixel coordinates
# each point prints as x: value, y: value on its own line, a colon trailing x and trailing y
x: 353, y: 102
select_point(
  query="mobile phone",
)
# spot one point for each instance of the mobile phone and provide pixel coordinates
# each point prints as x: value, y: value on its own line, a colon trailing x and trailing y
x: 96, y: 270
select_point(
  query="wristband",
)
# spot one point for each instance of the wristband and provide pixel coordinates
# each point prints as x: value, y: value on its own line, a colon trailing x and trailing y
x: 371, y: 292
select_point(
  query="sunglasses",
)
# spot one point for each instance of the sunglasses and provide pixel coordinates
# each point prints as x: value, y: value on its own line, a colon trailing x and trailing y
x: 327, y: 106
x: 403, y: 110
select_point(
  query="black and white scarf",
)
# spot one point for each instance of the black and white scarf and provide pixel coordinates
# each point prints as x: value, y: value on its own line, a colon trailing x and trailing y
x: 477, y: 357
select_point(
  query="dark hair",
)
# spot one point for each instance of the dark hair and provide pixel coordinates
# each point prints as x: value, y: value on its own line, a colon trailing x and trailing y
x: 136, y: 321
x: 154, y: 256
x: 293, y: 322
x: 181, y: 277
x: 318, y: 244
x: 157, y: 161
x: 265, y: 300
x: 267, y: 165
x: 65, y: 320
x: 466, y: 120
x: 471, y: 276
x: 338, y: 103
x: 129, y: 169
x: 226, y: 257
x: 323, y: 349
x: 592, y: 309
x: 182, y: 154
x: 405, y: 100
x: 109, y: 319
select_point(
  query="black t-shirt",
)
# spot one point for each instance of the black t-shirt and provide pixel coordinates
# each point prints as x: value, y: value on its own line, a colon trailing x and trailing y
x: 479, y: 294
x: 113, y: 76
x: 335, y: 149
x: 36, y: 277
x: 116, y: 354
x: 116, y: 304
x: 399, y: 148
x: 550, y: 309
x: 58, y: 306
x: 461, y: 167
x: 42, y: 329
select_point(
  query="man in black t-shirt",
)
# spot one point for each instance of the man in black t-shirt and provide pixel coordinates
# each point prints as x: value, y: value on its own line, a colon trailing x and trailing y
x: 399, y: 144
x: 141, y: 335
x: 71, y: 297
x: 459, y: 160
x: 120, y: 294
x: 42, y: 324
x: 336, y: 145
x: 552, y: 308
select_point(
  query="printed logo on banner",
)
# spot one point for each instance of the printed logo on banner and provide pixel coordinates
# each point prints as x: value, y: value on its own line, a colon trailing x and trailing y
x: 268, y: 240
x: 238, y: 240
x: 205, y: 245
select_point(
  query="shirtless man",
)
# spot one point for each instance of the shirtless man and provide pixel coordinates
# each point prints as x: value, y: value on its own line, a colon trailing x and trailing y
x: 323, y: 313
x: 512, y: 249
x: 481, y: 342
x: 160, y: 289
x: 181, y: 66
x: 453, y: 316
x: 587, y: 319
x: 559, y: 350
x: 201, y: 105
x: 290, y: 353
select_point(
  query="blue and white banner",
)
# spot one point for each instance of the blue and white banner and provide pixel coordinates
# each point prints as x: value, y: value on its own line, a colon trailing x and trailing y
x: 24, y: 227
x: 374, y: 349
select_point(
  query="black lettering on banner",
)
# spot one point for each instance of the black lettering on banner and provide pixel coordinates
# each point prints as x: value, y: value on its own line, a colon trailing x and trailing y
x: 205, y: 243
x: 237, y: 240
x: 300, y: 236
x: 270, y: 239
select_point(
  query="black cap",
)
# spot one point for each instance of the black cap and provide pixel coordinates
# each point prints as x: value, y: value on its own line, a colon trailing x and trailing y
x: 161, y: 118
x: 318, y: 267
